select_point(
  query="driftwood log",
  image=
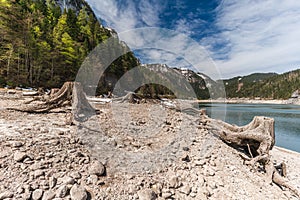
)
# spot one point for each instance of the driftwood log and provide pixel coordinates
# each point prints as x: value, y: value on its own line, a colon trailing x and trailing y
x: 258, y: 139
x: 130, y: 97
x: 69, y: 93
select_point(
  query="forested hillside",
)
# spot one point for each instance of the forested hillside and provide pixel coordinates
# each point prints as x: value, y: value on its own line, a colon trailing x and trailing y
x: 43, y: 44
x: 271, y: 86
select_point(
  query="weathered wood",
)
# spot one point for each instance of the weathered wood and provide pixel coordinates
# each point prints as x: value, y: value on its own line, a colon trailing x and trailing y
x: 69, y: 92
x: 259, y: 138
x: 130, y: 97
x: 82, y: 109
x: 53, y: 91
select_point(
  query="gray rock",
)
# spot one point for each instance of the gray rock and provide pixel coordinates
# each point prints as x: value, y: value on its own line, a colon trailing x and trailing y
x: 157, y: 188
x: 48, y: 195
x: 210, y: 172
x: 37, y: 194
x: 20, y: 190
x: 5, y: 195
x: 75, y: 175
x: 193, y: 194
x: 4, y: 153
x: 26, y: 195
x: 19, y: 156
x: 16, y: 144
x: 62, y: 191
x: 200, y: 162
x: 174, y: 182
x: 38, y: 173
x: 146, y: 194
x: 201, y: 196
x: 97, y: 168
x: 34, y: 185
x: 52, y: 182
x: 78, y: 192
x: 69, y: 180
x: 11, y: 92
x: 166, y: 195
x: 37, y: 165
x: 92, y: 179
x: 186, y: 189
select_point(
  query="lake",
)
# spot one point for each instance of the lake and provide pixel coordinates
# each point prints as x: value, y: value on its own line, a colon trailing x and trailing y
x: 287, y: 119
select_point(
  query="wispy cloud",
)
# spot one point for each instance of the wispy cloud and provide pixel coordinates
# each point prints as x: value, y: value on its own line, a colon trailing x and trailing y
x: 256, y: 36
x: 156, y: 45
x: 126, y: 15
x: 242, y: 36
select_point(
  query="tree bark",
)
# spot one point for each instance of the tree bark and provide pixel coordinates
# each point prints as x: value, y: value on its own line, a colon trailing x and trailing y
x: 69, y: 92
x: 259, y: 137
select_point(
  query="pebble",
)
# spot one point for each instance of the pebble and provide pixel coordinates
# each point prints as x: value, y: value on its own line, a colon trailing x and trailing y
x: 146, y: 194
x: 201, y: 196
x: 186, y: 189
x: 11, y: 92
x: 92, y: 179
x: 19, y: 156
x: 78, y: 192
x: 16, y: 144
x: 97, y: 168
x: 20, y: 190
x: 174, y: 182
x: 69, y: 180
x: 26, y: 195
x: 37, y: 194
x: 75, y: 175
x: 48, y: 195
x: 6, y: 195
x: 62, y: 191
x: 52, y: 182
x: 200, y: 162
x: 38, y: 173
x: 166, y: 195
x: 185, y: 149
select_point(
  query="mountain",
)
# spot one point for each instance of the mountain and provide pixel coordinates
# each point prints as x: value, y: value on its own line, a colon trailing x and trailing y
x: 264, y: 85
x: 184, y: 82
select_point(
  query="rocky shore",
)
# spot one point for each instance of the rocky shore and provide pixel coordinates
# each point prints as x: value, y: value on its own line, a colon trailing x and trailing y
x: 141, y: 151
x: 254, y: 101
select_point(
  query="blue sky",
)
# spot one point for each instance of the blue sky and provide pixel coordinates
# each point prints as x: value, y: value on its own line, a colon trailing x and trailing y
x: 240, y: 37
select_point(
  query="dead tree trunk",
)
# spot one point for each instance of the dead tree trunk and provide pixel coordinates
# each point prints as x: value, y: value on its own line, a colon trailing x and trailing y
x: 82, y: 109
x: 69, y: 92
x: 258, y: 138
x: 130, y: 97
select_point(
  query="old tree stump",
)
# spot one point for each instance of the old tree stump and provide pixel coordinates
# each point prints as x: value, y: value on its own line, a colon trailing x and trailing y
x: 258, y: 138
x: 71, y: 93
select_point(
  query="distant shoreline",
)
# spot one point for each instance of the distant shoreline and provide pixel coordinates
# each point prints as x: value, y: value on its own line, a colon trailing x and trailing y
x: 253, y: 101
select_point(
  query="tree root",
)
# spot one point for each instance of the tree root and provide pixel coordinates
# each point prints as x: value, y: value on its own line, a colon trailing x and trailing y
x: 258, y: 138
x: 69, y: 92
x: 130, y: 97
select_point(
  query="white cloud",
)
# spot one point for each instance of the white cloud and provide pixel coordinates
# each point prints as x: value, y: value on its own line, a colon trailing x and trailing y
x: 126, y: 15
x: 158, y: 45
x: 261, y: 36
x: 253, y: 35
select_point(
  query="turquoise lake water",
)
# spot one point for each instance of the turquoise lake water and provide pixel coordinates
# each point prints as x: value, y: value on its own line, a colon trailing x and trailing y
x: 287, y: 119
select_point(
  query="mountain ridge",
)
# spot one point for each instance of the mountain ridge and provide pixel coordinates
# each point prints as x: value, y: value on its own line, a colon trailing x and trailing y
x: 263, y: 85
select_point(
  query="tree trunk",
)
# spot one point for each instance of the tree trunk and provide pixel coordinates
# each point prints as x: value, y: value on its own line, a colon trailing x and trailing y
x: 69, y: 92
x: 258, y: 138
